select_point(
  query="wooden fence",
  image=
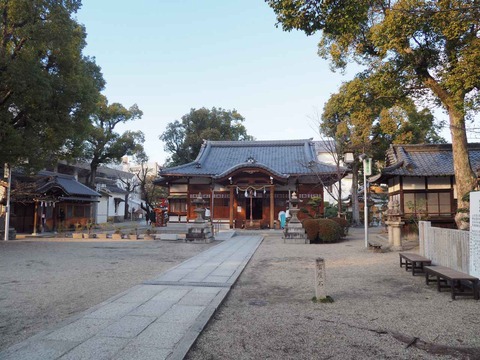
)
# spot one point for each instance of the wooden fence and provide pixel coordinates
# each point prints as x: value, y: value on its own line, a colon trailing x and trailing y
x: 446, y: 247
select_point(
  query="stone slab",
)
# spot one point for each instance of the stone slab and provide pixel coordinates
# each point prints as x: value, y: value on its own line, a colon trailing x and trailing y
x: 181, y: 314
x: 79, y: 330
x: 143, y: 352
x: 169, y: 237
x: 40, y: 350
x: 114, y: 310
x: 141, y: 294
x: 161, y: 335
x: 98, y: 348
x: 153, y: 308
x: 128, y: 326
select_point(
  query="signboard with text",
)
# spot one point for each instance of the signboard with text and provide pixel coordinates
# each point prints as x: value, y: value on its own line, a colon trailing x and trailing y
x: 475, y: 233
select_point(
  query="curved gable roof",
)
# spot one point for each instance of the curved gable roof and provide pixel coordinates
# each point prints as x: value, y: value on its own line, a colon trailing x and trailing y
x: 281, y: 157
x: 424, y: 160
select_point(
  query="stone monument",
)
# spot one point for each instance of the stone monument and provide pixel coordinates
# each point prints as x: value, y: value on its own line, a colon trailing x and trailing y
x: 200, y: 231
x: 320, y: 279
x: 394, y: 223
x: 294, y: 232
x: 474, y: 243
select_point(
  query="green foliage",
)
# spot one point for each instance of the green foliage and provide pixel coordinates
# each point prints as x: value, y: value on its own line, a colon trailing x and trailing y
x: 331, y: 210
x: 329, y: 231
x: 421, y: 49
x: 47, y: 87
x: 343, y: 224
x: 183, y: 139
x: 311, y: 229
x: 103, y: 144
x: 314, y: 207
x: 327, y: 299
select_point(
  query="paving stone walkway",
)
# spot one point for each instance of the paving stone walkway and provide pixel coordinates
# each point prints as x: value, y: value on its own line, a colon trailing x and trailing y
x: 159, y: 319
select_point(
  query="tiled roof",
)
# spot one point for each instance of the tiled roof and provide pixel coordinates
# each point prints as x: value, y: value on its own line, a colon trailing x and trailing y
x: 426, y: 160
x: 281, y: 157
x: 67, y: 183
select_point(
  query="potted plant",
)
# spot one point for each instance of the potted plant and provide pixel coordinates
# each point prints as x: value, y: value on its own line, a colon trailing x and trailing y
x: 89, y: 227
x: 117, y: 235
x: 149, y: 234
x: 77, y: 234
x: 133, y: 235
x: 103, y: 234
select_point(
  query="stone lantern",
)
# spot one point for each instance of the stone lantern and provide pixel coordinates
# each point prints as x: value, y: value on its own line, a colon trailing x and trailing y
x: 199, y: 208
x: 199, y: 231
x: 294, y: 232
x: 394, y: 223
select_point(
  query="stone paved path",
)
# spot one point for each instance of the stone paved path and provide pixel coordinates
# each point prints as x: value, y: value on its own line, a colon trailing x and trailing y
x: 159, y: 319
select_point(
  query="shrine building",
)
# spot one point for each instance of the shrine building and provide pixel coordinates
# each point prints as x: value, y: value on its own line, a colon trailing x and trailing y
x: 246, y: 183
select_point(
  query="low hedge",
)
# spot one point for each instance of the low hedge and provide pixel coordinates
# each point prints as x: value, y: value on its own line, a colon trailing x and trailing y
x: 311, y: 228
x: 329, y: 231
x: 343, y: 223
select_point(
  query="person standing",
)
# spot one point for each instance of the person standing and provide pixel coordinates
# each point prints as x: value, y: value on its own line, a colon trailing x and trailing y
x: 282, y: 217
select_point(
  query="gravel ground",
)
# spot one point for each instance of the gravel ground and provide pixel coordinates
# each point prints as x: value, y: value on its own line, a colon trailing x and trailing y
x: 379, y: 310
x: 42, y: 282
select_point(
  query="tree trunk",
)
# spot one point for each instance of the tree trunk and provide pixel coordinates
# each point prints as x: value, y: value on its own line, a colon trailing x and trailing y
x: 339, y: 200
x: 464, y: 176
x: 127, y: 207
x: 92, y: 177
x: 355, y: 204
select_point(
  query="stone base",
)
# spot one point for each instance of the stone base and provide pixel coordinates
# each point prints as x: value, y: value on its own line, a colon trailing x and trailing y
x: 296, y: 241
x: 199, y: 233
x: 202, y: 241
x: 295, y: 234
x: 168, y: 237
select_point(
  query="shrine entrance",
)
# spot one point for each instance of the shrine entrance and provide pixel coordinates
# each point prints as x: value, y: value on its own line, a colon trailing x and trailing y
x: 254, y: 208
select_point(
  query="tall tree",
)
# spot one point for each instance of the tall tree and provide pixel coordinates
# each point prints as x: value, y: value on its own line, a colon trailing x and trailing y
x: 430, y: 47
x: 104, y: 145
x: 183, y: 139
x: 364, y: 118
x: 47, y: 87
x: 151, y: 194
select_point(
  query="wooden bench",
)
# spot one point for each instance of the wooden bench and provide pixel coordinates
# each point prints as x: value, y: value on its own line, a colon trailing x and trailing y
x: 414, y: 262
x: 443, y: 275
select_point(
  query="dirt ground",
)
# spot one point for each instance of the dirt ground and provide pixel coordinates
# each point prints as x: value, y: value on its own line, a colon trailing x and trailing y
x: 380, y: 311
x: 42, y: 282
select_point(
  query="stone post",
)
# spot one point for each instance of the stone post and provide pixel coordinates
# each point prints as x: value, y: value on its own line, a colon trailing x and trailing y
x: 320, y: 279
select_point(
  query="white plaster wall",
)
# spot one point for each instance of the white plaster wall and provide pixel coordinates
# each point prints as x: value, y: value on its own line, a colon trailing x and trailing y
x: 102, y: 210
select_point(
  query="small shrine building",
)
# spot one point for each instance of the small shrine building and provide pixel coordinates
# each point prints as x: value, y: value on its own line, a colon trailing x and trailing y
x: 246, y: 183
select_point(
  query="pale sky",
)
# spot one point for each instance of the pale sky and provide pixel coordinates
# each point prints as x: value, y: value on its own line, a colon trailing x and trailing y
x: 169, y: 56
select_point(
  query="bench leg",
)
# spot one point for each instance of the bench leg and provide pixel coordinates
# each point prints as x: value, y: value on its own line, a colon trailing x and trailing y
x: 475, y: 289
x: 453, y: 284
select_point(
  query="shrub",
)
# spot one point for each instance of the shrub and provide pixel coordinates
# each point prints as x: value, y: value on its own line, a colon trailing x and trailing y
x: 343, y: 223
x: 311, y: 228
x: 329, y: 231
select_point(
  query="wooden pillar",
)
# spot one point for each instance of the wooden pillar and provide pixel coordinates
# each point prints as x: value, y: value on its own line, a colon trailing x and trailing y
x: 231, y: 207
x: 35, y: 213
x: 272, y: 206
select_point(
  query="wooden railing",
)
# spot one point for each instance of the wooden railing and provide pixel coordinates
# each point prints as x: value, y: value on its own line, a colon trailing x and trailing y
x: 446, y: 247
